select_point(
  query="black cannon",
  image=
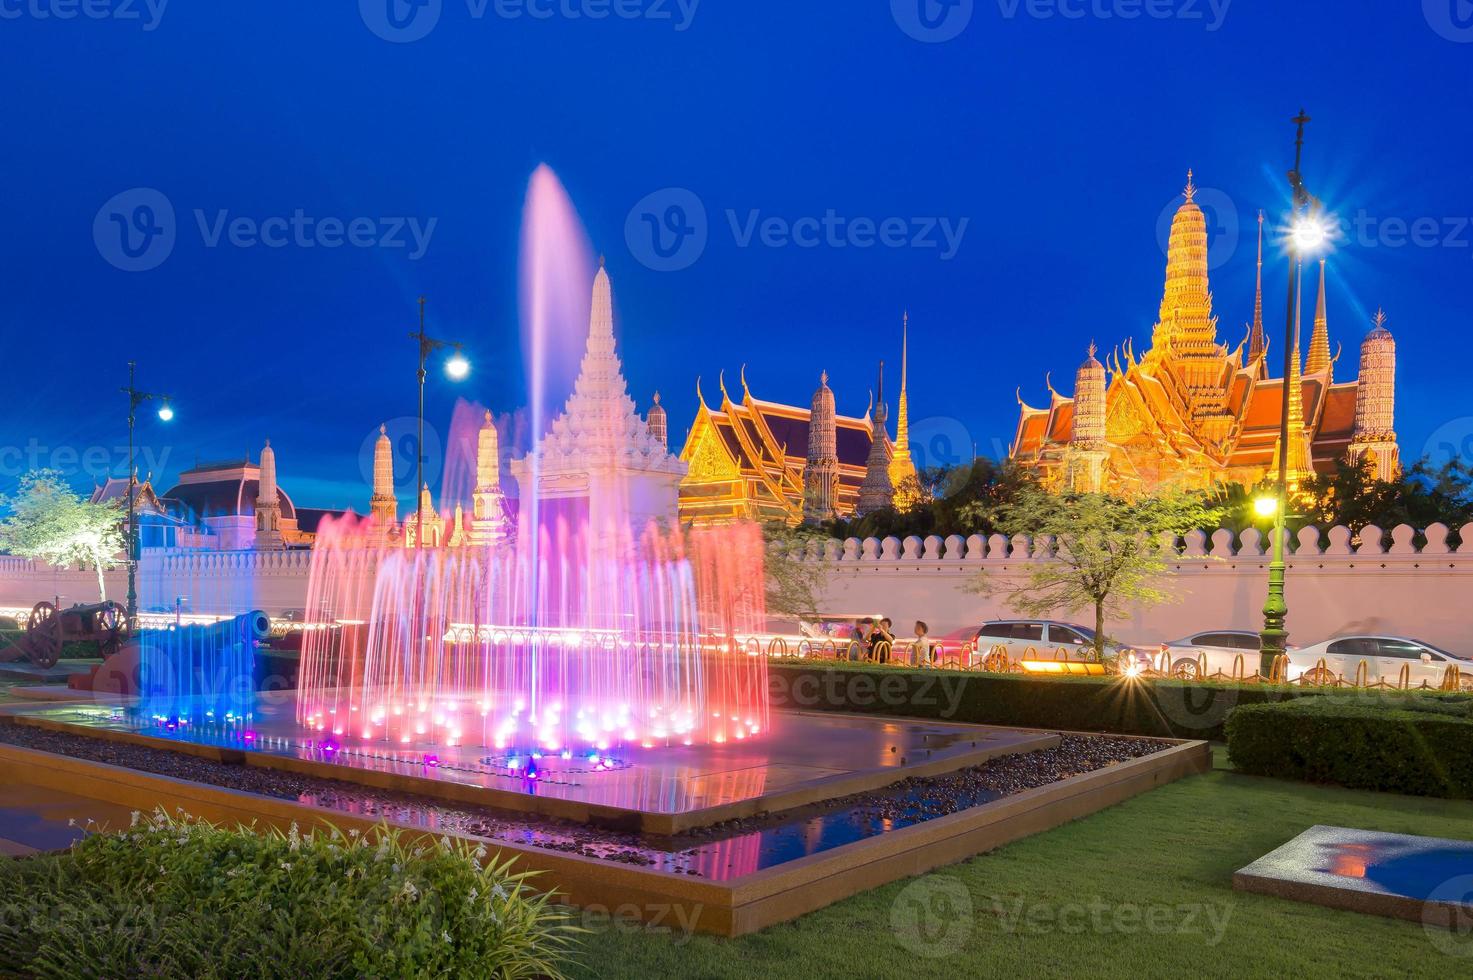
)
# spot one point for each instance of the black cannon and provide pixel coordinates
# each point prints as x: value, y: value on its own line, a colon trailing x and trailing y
x: 48, y: 629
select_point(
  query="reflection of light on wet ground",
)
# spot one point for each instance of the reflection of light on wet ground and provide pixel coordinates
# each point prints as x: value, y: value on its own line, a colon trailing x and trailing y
x: 799, y: 749
x: 734, y: 855
x: 33, y: 818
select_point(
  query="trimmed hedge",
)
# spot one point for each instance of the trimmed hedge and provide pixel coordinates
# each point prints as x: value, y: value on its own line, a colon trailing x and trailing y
x: 1162, y: 708
x: 1420, y: 745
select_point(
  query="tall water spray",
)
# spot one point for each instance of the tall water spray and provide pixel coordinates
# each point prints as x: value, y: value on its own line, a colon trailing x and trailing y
x: 595, y: 622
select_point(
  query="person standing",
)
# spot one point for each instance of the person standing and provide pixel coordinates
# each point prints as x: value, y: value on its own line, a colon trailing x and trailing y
x: 882, y: 641
x: 923, y: 651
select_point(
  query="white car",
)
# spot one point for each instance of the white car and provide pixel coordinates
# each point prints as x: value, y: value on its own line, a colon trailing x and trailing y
x: 1040, y: 638
x: 1219, y: 649
x: 1384, y: 657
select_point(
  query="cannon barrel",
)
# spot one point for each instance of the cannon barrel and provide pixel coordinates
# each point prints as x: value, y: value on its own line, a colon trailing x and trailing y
x: 201, y: 668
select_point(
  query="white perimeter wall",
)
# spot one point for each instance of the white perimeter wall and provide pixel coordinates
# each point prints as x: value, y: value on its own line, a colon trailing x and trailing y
x: 1334, y: 585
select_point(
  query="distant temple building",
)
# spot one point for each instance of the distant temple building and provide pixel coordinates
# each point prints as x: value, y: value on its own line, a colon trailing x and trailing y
x: 757, y: 460
x: 489, y: 521
x: 228, y: 506
x: 1191, y: 413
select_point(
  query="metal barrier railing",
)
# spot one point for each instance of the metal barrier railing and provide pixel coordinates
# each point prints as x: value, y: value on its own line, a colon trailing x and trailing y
x: 968, y: 657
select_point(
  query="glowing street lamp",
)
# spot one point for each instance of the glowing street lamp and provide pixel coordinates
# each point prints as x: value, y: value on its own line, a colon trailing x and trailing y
x: 457, y: 368
x: 1309, y: 232
x: 166, y: 414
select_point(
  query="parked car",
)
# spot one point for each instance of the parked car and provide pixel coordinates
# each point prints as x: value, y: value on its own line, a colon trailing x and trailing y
x: 1384, y: 656
x: 1044, y: 637
x: 1219, y: 649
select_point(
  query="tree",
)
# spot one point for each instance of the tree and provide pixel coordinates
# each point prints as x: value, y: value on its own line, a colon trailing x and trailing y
x: 792, y: 587
x: 944, y: 506
x: 1108, y: 551
x: 1351, y: 496
x: 50, y: 522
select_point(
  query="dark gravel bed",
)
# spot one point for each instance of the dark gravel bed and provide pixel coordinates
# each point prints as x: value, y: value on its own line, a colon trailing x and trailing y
x: 903, y: 803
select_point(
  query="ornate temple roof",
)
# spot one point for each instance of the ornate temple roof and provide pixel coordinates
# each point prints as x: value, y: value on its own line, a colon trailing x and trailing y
x: 751, y: 453
x: 1192, y: 410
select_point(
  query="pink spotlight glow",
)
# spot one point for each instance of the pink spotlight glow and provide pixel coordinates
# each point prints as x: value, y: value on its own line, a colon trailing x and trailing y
x: 579, y: 630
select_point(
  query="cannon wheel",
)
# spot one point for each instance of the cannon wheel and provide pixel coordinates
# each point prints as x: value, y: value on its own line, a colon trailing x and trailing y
x: 43, y: 635
x: 112, y: 629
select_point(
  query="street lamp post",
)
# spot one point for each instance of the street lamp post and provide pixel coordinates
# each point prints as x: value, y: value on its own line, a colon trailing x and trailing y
x: 456, y: 368
x: 1305, y: 232
x: 166, y: 413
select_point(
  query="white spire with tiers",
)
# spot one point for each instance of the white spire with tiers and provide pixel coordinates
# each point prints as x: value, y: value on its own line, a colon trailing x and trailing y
x: 599, y: 447
x: 599, y: 425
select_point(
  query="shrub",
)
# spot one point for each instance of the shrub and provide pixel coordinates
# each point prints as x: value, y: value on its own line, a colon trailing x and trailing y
x: 1137, y: 706
x: 183, y: 898
x: 1420, y: 745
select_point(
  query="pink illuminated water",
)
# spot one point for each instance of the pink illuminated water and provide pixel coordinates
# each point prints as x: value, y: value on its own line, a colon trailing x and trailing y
x: 567, y: 637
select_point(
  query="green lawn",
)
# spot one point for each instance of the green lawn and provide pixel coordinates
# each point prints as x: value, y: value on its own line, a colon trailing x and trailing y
x: 1165, y: 859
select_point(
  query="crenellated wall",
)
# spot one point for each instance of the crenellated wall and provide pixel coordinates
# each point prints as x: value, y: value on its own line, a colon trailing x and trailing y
x: 1336, y: 583
x: 214, y: 582
x: 1333, y: 585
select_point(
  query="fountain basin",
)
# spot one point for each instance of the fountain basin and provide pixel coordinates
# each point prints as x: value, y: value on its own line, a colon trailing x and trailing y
x: 803, y: 758
x: 728, y: 881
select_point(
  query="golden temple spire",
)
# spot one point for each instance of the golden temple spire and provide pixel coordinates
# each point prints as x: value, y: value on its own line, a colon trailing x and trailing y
x: 1299, y: 465
x: 902, y: 412
x: 902, y: 467
x: 1319, y: 345
x: 1185, y: 324
x: 1375, y: 403
x: 1257, y: 347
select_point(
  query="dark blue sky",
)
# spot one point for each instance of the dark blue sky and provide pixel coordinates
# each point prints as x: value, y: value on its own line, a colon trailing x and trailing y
x: 1060, y: 140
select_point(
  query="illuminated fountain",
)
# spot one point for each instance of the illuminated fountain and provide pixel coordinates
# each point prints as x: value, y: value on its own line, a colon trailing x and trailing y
x: 597, y: 626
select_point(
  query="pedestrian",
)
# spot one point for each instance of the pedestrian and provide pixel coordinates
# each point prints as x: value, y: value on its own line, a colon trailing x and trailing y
x: 923, y: 651
x: 859, y: 648
x: 882, y: 641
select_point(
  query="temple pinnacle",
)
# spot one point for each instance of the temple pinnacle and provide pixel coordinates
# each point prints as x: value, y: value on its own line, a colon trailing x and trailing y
x: 1191, y: 189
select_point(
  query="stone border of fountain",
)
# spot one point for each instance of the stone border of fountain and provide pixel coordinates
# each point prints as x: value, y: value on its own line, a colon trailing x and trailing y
x: 816, y: 790
x: 731, y: 908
